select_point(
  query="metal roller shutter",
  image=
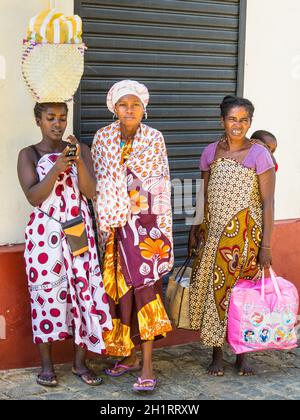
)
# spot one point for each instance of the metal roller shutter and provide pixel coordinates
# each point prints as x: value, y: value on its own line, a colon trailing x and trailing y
x: 187, y: 53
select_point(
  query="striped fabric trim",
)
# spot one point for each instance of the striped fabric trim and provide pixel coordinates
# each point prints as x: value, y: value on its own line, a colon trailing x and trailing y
x: 78, y: 29
x: 44, y: 26
x: 56, y: 26
x: 50, y: 26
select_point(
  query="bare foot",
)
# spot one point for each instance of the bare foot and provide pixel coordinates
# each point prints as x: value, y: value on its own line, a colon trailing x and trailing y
x: 47, y: 377
x: 243, y: 367
x: 130, y: 363
x: 216, y: 368
x: 144, y: 385
x: 146, y: 381
x: 87, y: 376
x: 147, y: 373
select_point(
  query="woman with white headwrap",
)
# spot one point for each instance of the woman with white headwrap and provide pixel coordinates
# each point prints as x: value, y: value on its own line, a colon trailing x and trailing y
x: 134, y: 223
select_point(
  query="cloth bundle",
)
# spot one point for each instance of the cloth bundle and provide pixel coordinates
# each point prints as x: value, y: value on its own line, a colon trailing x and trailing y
x: 53, y: 27
x: 53, y: 56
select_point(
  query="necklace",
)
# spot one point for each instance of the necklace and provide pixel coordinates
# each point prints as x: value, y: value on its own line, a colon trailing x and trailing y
x: 229, y: 153
x: 125, y: 141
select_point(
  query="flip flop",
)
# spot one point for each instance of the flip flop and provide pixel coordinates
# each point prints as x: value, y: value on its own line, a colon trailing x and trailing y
x: 88, y: 377
x: 125, y: 369
x: 138, y: 386
x: 49, y: 380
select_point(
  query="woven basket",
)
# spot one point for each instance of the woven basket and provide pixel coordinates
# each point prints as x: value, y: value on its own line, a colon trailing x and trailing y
x: 177, y: 296
x: 52, y: 72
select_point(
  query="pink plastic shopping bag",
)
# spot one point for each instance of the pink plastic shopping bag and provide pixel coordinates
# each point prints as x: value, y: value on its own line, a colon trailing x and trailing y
x: 262, y: 315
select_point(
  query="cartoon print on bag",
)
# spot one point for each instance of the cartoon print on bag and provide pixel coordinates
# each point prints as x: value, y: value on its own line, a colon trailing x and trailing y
x: 249, y: 336
x: 291, y: 335
x: 264, y: 335
x: 279, y: 335
x: 288, y: 317
x: 257, y: 319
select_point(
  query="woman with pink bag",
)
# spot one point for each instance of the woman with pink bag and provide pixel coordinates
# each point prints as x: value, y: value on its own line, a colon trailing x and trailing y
x: 239, y: 182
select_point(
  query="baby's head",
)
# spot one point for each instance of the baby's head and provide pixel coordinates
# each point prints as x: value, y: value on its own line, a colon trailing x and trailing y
x: 267, y: 138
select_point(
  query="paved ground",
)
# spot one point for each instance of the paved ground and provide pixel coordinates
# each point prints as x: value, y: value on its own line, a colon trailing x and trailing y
x: 181, y: 371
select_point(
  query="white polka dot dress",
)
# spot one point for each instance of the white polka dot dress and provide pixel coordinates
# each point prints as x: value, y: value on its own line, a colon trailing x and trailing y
x: 67, y: 293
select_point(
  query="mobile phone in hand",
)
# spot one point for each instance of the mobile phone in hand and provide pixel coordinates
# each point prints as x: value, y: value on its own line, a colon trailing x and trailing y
x: 72, y: 150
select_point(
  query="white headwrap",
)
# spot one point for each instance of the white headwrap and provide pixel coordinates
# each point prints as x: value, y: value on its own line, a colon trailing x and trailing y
x: 126, y: 87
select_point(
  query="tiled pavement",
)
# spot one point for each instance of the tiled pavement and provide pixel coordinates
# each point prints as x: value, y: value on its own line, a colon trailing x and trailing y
x: 181, y: 373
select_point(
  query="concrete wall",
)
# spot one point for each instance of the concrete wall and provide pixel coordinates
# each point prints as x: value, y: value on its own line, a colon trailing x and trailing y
x: 272, y: 82
x: 17, y: 128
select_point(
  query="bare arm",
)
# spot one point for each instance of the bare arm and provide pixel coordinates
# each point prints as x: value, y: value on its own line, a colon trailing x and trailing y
x: 37, y: 191
x: 267, y: 191
x: 205, y: 177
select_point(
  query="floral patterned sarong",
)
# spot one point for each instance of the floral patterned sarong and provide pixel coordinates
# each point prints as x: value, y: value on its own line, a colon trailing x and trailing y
x: 134, y: 217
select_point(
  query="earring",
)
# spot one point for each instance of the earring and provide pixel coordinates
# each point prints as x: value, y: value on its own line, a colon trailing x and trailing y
x: 115, y: 116
x: 146, y: 115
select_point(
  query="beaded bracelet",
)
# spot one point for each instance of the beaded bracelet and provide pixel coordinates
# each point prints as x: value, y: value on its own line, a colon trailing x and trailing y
x: 265, y: 247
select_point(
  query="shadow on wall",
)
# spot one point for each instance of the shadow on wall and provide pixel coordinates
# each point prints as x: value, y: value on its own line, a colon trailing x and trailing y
x: 2, y: 328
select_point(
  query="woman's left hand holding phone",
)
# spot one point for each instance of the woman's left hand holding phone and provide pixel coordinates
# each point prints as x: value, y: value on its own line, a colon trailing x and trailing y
x: 77, y: 156
x: 64, y: 160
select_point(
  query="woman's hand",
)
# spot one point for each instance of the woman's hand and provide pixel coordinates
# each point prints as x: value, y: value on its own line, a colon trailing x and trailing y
x: 63, y: 162
x: 265, y: 258
x: 196, y: 240
x: 73, y: 140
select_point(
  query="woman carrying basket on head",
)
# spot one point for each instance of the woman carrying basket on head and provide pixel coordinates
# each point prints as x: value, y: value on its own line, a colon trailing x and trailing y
x: 65, y: 285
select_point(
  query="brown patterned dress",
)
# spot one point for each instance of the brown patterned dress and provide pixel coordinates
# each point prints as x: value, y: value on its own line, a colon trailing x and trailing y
x: 232, y: 229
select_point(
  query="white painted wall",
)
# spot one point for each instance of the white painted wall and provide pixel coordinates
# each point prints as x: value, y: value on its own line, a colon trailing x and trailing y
x: 272, y: 82
x: 17, y: 127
